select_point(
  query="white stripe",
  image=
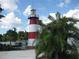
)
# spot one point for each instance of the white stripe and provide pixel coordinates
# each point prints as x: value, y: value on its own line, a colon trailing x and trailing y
x: 31, y: 42
x: 28, y: 21
x: 33, y: 28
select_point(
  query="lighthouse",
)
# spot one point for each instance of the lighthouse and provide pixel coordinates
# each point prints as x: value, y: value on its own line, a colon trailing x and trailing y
x: 32, y: 28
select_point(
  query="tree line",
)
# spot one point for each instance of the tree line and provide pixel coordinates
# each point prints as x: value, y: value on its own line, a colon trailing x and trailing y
x: 12, y: 35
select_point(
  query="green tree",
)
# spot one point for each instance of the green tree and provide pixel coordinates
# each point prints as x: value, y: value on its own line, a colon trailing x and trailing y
x: 4, y: 37
x: 1, y: 36
x: 11, y: 35
x: 26, y: 35
x: 22, y: 35
x: 53, y: 41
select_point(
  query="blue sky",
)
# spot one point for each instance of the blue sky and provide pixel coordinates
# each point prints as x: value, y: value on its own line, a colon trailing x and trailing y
x: 43, y: 9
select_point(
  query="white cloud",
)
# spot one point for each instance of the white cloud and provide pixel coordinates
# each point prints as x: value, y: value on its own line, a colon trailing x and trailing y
x: 20, y: 29
x: 66, y: 1
x: 28, y: 10
x: 73, y: 14
x: 9, y: 5
x: 10, y: 21
x: 45, y: 20
x: 53, y: 15
x: 61, y: 4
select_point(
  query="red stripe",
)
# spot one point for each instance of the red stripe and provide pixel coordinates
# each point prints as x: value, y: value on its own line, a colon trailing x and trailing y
x: 33, y: 21
x: 32, y: 35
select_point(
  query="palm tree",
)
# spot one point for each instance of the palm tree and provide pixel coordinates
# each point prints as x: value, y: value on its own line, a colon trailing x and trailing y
x: 57, y: 40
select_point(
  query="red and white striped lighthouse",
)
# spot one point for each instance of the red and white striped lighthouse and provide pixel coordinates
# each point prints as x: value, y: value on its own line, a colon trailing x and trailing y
x: 32, y: 28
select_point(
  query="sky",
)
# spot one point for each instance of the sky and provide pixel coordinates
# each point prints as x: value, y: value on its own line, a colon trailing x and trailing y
x: 16, y: 12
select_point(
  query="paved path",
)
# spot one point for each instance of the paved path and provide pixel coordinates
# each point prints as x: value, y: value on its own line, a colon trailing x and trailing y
x: 23, y: 54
